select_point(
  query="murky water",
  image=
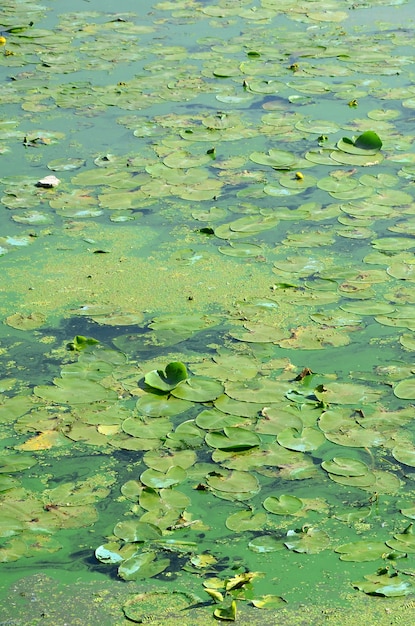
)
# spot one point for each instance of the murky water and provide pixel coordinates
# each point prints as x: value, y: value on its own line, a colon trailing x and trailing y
x: 208, y: 318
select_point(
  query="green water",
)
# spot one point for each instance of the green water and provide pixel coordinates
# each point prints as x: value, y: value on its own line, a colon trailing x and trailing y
x: 235, y: 195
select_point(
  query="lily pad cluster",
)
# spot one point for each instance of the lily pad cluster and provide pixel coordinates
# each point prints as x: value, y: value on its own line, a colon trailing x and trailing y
x: 213, y: 432
x: 251, y: 429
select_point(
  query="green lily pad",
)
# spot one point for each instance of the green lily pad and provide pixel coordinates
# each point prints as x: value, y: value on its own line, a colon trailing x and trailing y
x: 109, y: 553
x: 133, y: 531
x: 155, y: 479
x: 359, y: 551
x: 233, y: 439
x: 142, y: 565
x: 268, y: 602
x: 11, y: 463
x: 241, y: 250
x: 160, y: 462
x: 154, y: 405
x: 65, y: 164
x: 198, y: 389
x: 366, y: 481
x: 386, y: 585
x: 25, y: 322
x: 347, y: 393
x: 212, y: 419
x: 404, y: 454
x: 156, y: 428
x: 257, y: 390
x: 405, y: 389
x: 310, y: 541
x: 303, y: 440
x: 278, y: 159
x: 242, y: 521
x: 14, y: 407
x: 234, y: 485
x: 70, y: 390
x: 166, y: 381
x: 368, y: 140
x: 266, y: 543
x: 409, y: 512
x: 343, y: 466
x: 283, y: 505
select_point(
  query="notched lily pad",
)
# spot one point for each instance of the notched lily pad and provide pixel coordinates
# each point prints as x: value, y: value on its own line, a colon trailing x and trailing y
x: 198, y: 389
x: 26, y: 322
x: 359, y: 551
x: 283, y: 505
x: 309, y: 541
x: 385, y: 584
x: 234, y: 439
x: 174, y: 373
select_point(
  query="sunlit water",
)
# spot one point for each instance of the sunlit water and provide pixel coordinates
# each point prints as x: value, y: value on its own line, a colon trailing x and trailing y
x: 209, y: 213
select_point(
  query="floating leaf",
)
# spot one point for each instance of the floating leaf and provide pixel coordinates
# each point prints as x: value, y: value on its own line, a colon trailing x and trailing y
x: 108, y: 553
x: 11, y: 463
x: 368, y: 141
x: 404, y: 454
x: 310, y: 541
x: 269, y: 602
x: 234, y: 485
x: 302, y: 440
x: 233, y: 439
x: 26, y: 322
x: 389, y: 585
x: 242, y: 521
x: 70, y: 390
x: 278, y: 159
x: 226, y: 613
x: 134, y: 531
x: 283, y: 505
x: 154, y: 478
x: 198, y: 389
x: 154, y: 405
x: 143, y: 565
x: 166, y: 381
x: 360, y: 551
x: 343, y: 466
x: 405, y: 389
x: 266, y: 543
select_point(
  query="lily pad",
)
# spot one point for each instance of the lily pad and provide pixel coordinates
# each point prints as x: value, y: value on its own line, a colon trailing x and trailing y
x: 283, y: 505
x: 11, y: 463
x: 359, y: 551
x: 266, y: 543
x: 234, y: 485
x: 155, y: 479
x: 388, y: 585
x: 198, y: 389
x: 405, y: 389
x: 142, y: 565
x: 278, y: 159
x: 26, y: 322
x: 242, y: 521
x: 310, y: 541
x: 343, y: 466
x: 133, y: 531
x: 308, y: 438
x: 233, y: 439
x: 174, y: 373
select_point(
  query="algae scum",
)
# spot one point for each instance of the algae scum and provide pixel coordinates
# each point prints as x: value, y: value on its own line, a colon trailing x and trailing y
x: 207, y: 375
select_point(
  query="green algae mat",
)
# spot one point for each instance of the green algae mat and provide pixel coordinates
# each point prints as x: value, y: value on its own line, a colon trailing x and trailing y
x: 208, y: 313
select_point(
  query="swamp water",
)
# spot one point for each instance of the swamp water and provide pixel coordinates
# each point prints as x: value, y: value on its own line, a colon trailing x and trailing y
x: 207, y: 344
